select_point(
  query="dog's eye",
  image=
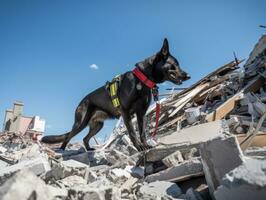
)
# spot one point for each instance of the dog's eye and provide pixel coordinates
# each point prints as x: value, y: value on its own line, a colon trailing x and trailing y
x: 172, y: 67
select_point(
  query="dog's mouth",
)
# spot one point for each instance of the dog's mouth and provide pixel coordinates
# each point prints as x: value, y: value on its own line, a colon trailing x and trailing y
x: 175, y: 78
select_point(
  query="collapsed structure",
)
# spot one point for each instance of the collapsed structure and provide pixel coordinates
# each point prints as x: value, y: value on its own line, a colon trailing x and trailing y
x: 210, y: 145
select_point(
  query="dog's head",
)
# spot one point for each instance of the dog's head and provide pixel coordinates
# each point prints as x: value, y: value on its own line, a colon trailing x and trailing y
x: 163, y: 67
x: 166, y: 67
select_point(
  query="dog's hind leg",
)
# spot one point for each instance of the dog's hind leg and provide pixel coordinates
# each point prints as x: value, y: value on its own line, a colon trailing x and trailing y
x: 82, y: 116
x: 95, y: 127
x: 95, y: 124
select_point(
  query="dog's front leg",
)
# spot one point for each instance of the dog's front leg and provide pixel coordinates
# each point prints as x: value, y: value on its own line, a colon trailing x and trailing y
x: 130, y: 129
x: 140, y: 118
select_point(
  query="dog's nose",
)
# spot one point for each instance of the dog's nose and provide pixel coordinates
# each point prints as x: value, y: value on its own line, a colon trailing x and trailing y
x: 185, y: 76
x: 188, y: 77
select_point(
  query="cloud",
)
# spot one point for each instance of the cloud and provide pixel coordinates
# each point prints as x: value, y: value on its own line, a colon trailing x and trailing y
x: 94, y: 67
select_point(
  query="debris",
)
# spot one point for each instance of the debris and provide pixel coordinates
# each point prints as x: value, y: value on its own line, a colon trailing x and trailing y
x: 179, y: 172
x: 173, y: 159
x: 202, y: 132
x: 248, y: 181
x: 159, y: 189
x: 25, y: 185
x: 219, y: 156
x: 38, y: 166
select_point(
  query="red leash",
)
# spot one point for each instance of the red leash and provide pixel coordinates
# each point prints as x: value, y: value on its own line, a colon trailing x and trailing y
x: 150, y: 84
x: 157, y: 116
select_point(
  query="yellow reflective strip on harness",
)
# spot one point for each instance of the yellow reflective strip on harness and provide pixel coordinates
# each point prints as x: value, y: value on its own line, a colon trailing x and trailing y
x: 113, y: 93
x: 113, y: 89
x: 116, y: 102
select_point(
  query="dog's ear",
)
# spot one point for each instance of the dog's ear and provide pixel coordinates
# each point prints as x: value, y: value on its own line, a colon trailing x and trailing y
x: 165, y: 48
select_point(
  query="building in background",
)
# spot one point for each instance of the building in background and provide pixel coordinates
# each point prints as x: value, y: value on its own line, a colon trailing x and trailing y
x: 14, y: 121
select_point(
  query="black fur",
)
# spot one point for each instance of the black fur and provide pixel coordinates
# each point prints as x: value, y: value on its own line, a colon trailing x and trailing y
x: 97, y: 106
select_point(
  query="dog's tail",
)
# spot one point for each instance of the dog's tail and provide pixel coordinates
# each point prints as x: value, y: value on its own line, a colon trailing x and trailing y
x: 53, y: 139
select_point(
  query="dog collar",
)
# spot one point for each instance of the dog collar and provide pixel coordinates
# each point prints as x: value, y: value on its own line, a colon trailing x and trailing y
x: 143, y: 78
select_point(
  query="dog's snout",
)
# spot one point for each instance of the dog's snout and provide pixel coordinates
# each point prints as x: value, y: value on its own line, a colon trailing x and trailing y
x: 188, y: 77
x: 185, y: 76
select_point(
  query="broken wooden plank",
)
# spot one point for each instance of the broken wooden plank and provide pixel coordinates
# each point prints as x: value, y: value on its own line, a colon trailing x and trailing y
x: 229, y: 105
x: 231, y: 66
x: 182, y: 102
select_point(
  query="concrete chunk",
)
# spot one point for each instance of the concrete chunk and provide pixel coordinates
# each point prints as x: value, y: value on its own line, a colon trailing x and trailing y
x: 159, y: 189
x: 26, y: 185
x: 179, y: 172
x: 70, y: 168
x: 118, y: 175
x: 248, y: 181
x: 173, y: 159
x: 186, y: 139
x: 219, y: 156
x: 38, y: 166
x: 191, y: 194
x: 101, y: 189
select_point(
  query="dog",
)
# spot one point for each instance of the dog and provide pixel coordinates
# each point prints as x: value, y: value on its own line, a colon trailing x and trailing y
x: 134, y: 97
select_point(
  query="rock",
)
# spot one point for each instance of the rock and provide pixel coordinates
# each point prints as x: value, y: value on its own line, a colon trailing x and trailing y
x: 219, y: 156
x: 128, y: 186
x: 137, y: 172
x: 70, y: 168
x: 2, y: 149
x: 115, y: 156
x: 73, y: 181
x: 193, y: 195
x: 31, y: 152
x: 179, y: 172
x: 248, y: 181
x: 3, y: 164
x: 101, y: 189
x: 38, y: 166
x: 173, y: 159
x: 192, y: 153
x: 25, y: 185
x: 118, y: 175
x: 159, y: 189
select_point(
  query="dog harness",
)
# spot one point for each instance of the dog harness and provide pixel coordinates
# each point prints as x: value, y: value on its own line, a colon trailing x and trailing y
x: 113, y: 88
x: 155, y: 92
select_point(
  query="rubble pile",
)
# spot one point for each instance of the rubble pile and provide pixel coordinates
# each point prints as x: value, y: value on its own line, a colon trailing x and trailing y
x: 211, y: 144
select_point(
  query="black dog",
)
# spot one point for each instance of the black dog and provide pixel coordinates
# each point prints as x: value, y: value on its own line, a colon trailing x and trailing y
x: 134, y: 97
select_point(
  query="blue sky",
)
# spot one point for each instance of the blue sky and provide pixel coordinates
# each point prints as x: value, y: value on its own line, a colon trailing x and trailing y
x: 47, y: 47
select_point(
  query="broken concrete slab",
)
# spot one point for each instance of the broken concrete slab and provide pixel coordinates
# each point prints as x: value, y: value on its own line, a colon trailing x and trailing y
x: 38, y: 166
x: 69, y: 168
x: 180, y: 172
x: 196, y: 134
x: 25, y: 185
x: 248, y: 181
x: 219, y: 156
x: 186, y: 139
x: 159, y: 189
